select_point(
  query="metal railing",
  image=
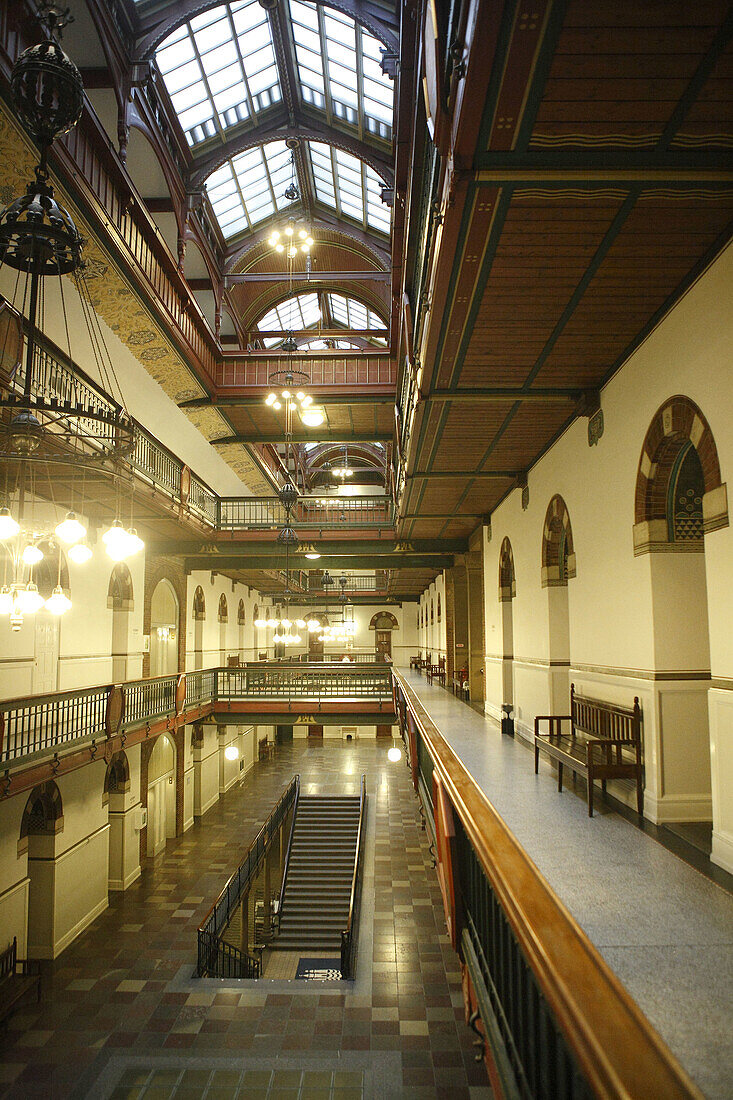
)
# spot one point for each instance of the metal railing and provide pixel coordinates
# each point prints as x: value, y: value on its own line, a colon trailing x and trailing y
x: 313, y: 683
x: 42, y: 723
x: 350, y: 935
x: 555, y: 1019
x: 240, y: 513
x: 210, y: 955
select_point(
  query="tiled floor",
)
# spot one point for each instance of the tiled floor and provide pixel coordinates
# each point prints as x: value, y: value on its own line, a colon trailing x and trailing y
x: 120, y: 1005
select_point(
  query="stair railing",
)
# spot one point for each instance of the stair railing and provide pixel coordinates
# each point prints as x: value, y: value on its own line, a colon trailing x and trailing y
x: 350, y: 935
x: 286, y: 866
x: 216, y: 959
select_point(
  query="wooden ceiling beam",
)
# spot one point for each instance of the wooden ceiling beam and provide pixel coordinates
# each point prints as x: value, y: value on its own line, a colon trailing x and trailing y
x: 322, y: 436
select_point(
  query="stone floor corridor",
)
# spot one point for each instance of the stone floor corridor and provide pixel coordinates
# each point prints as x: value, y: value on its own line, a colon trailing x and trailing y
x: 121, y: 1015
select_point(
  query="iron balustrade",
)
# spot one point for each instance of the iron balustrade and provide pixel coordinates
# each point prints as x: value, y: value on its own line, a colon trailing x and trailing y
x: 224, y: 961
x: 203, y: 501
x: 153, y: 461
x: 280, y: 681
x: 43, y: 722
x: 216, y: 920
x: 244, y: 513
x: 147, y: 699
x: 350, y: 935
x: 558, y: 1024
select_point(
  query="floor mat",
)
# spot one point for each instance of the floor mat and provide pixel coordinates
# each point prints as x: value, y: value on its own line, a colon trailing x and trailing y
x: 319, y: 970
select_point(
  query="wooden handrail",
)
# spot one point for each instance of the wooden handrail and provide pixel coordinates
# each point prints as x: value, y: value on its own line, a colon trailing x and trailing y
x: 619, y: 1052
x: 362, y: 803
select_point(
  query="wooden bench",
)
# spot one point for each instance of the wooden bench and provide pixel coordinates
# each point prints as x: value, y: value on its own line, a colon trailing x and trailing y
x: 436, y: 672
x: 603, y: 742
x: 415, y: 662
x: 460, y: 683
x: 265, y: 749
x: 15, y: 983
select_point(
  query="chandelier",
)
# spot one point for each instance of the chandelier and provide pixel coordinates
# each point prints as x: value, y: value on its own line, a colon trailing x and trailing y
x: 50, y: 414
x: 344, y: 470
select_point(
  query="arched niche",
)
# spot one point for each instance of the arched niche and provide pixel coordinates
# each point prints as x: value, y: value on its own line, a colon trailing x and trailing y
x: 241, y: 622
x: 558, y: 566
x: 383, y: 620
x: 680, y: 499
x: 161, y: 795
x: 223, y: 616
x: 507, y: 592
x: 120, y: 599
x: 41, y: 825
x: 199, y: 617
x: 164, y: 616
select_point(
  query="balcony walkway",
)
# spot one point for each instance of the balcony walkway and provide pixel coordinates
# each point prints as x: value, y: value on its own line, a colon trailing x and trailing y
x: 664, y: 928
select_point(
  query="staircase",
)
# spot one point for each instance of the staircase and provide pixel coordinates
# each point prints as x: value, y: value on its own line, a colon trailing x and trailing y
x: 315, y: 906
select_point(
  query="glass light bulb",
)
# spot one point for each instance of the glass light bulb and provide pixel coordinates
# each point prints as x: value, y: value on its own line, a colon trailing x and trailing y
x: 305, y: 248
x: 279, y: 248
x: 313, y: 555
x: 300, y: 395
x: 6, y: 600
x: 80, y: 553
x: 70, y: 530
x: 313, y: 624
x: 394, y: 754
x: 231, y: 752
x: 29, y: 599
x: 260, y: 623
x: 8, y: 526
x: 271, y: 399
x: 113, y: 532
x: 309, y: 241
x: 285, y: 394
x: 300, y: 623
x: 277, y: 405
x: 272, y: 623
x: 307, y: 400
x: 277, y: 638
x: 302, y: 234
x: 289, y: 231
x: 296, y: 639
x: 286, y: 623
x: 134, y: 542
x: 32, y: 555
x: 292, y: 251
x: 276, y: 234
x: 57, y: 603
x: 312, y: 418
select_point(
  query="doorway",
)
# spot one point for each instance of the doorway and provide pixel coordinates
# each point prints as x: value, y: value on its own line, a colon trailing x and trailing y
x: 163, y: 630
x: 161, y: 795
x: 46, y: 654
x: 315, y: 732
x: 383, y: 645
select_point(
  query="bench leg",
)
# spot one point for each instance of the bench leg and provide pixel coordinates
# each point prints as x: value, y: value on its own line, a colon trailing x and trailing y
x: 536, y: 758
x: 639, y: 797
x: 559, y: 776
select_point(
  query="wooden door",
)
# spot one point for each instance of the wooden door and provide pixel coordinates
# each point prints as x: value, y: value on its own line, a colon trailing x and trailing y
x: 383, y: 645
x: 315, y: 731
x: 315, y: 647
x: 46, y: 655
x: 384, y: 731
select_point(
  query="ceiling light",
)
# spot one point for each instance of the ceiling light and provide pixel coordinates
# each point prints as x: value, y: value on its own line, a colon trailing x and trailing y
x: 277, y: 405
x: 302, y: 234
x: 300, y: 623
x: 29, y: 599
x: 260, y: 623
x: 272, y: 623
x: 271, y: 399
x: 8, y: 526
x: 312, y: 418
x: 307, y: 400
x: 285, y: 394
x: 70, y: 530
x: 279, y: 248
x: 313, y: 555
x: 32, y: 555
x: 289, y: 230
x: 231, y: 752
x: 394, y: 754
x: 57, y: 603
x: 134, y: 542
x: 80, y: 553
x: 313, y: 625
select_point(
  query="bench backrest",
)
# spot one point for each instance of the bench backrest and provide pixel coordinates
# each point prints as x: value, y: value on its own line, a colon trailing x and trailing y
x: 8, y: 959
x: 607, y: 720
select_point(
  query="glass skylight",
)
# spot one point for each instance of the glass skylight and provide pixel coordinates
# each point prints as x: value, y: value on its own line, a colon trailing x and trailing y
x: 250, y: 187
x: 219, y: 69
x: 295, y: 313
x: 348, y: 186
x: 339, y: 68
x: 352, y: 314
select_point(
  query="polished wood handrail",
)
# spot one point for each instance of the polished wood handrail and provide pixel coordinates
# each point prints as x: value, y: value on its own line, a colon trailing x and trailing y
x: 619, y: 1052
x: 362, y: 804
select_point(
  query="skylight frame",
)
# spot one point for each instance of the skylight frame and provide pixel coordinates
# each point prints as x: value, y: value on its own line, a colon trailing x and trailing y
x: 370, y: 109
x: 349, y: 186
x: 272, y: 161
x: 219, y: 121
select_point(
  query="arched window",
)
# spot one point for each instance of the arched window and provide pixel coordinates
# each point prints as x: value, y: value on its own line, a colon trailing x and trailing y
x: 677, y: 481
x: 558, y: 556
x: 199, y: 603
x: 507, y: 581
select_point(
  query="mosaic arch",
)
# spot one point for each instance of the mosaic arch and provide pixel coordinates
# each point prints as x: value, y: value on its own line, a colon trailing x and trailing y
x: 117, y: 778
x: 44, y: 812
x: 507, y: 581
x: 120, y: 591
x: 679, y: 492
x: 241, y: 615
x: 558, y: 555
x: 383, y: 620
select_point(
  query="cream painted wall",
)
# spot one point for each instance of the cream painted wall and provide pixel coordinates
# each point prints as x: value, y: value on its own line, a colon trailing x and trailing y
x: 234, y: 592
x: 623, y: 634
x: 432, y: 635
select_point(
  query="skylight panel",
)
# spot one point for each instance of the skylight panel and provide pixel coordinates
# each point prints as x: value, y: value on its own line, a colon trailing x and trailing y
x: 250, y: 187
x: 219, y: 69
x: 299, y: 312
x: 353, y: 314
x: 339, y: 68
x: 347, y: 185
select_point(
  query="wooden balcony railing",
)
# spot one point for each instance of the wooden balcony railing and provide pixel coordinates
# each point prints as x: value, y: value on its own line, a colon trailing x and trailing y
x: 556, y: 1020
x: 42, y: 724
